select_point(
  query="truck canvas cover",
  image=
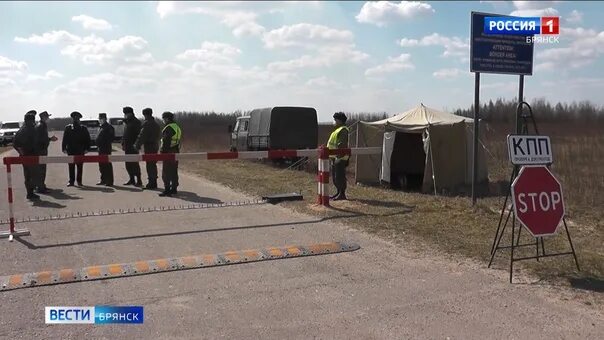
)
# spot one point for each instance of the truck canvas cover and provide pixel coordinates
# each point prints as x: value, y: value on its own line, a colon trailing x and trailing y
x: 284, y: 127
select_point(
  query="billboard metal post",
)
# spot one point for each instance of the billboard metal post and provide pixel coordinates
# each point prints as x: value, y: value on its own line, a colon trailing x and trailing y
x: 475, y: 146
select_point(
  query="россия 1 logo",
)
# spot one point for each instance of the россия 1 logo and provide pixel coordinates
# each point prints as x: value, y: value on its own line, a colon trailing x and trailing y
x: 529, y: 26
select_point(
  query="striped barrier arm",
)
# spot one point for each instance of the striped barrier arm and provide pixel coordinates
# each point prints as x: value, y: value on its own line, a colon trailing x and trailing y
x: 321, y: 153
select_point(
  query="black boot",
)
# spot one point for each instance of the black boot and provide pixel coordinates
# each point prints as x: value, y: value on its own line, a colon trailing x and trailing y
x: 139, y: 182
x: 165, y: 193
x: 341, y: 196
x: 151, y: 185
x: 130, y: 182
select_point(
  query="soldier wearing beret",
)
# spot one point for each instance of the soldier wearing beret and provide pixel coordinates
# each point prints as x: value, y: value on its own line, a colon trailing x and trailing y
x: 43, y: 141
x: 131, y: 132
x: 149, y: 139
x: 76, y: 141
x: 26, y: 145
x: 104, y: 144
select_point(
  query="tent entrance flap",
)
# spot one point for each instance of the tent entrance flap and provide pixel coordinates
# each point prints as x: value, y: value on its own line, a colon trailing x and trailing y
x: 407, y: 161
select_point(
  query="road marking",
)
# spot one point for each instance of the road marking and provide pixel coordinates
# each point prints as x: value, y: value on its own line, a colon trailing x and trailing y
x: 44, y: 278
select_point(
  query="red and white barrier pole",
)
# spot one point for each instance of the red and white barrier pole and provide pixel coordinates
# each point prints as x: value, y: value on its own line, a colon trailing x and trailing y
x: 11, y: 212
x: 323, y: 177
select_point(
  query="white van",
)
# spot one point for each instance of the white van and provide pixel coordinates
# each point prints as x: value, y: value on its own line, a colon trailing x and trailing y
x: 118, y: 126
x: 93, y: 127
x: 8, y: 131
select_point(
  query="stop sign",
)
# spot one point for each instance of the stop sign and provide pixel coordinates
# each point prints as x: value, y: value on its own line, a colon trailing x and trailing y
x: 537, y: 198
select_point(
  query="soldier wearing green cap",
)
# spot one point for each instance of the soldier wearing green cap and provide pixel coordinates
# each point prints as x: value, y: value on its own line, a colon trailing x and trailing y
x: 26, y: 145
x: 43, y: 141
x: 104, y: 144
x: 76, y: 141
x: 149, y: 139
x: 131, y: 131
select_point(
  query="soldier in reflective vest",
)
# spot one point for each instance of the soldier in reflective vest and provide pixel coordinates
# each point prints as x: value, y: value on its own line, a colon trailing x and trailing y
x: 170, y: 143
x: 339, y: 140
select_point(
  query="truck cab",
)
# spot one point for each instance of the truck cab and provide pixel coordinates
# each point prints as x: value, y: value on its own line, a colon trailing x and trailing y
x: 239, y: 135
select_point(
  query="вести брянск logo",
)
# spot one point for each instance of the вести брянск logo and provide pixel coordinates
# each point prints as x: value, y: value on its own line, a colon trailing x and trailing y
x: 94, y: 315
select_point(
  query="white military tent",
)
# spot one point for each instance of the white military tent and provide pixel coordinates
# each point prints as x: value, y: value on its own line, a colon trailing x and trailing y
x: 431, y: 147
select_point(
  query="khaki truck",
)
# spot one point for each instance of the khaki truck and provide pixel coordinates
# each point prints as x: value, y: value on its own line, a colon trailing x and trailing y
x: 276, y: 128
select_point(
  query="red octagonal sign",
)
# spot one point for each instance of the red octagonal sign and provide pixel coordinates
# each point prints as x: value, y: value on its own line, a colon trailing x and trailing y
x: 538, y: 203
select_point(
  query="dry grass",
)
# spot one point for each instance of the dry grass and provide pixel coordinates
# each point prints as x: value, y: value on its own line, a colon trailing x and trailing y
x: 447, y: 224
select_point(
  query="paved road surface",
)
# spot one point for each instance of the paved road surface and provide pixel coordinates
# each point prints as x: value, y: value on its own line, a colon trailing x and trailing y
x: 380, y: 291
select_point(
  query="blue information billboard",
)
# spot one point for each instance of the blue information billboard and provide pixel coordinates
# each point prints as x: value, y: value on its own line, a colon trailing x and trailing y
x: 498, y: 53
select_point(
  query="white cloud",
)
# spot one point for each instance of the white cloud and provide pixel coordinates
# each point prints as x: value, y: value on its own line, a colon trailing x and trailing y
x: 49, y: 38
x: 306, y: 35
x: 211, y: 52
x: 381, y: 13
x: 394, y: 64
x: 93, y: 49
x: 575, y: 17
x: 322, y: 81
x: 242, y: 23
x: 106, y: 83
x: 47, y: 76
x: 231, y: 13
x: 585, y: 46
x: 157, y: 70
x: 534, y: 8
x: 325, y: 57
x: 7, y: 64
x: 91, y: 23
x: 454, y: 46
x: 447, y: 73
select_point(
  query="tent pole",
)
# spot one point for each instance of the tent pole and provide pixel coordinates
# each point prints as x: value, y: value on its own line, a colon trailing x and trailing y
x: 432, y: 162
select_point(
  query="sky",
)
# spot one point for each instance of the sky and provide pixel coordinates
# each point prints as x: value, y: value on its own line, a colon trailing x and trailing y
x: 224, y: 56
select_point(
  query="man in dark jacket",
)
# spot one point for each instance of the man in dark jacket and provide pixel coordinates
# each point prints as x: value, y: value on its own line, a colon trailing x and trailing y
x: 26, y: 145
x: 149, y: 138
x: 170, y: 143
x: 43, y: 142
x: 76, y: 142
x: 104, y: 146
x: 131, y: 131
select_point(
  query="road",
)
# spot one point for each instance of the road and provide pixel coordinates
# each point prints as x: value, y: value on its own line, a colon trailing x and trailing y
x: 380, y: 291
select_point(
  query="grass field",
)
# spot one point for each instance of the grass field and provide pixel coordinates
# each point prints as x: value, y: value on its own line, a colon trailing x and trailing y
x: 447, y: 224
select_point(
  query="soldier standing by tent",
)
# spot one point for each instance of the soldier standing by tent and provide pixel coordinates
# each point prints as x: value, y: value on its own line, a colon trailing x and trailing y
x: 104, y: 144
x: 170, y: 143
x: 26, y: 145
x: 131, y: 131
x: 339, y: 140
x: 43, y: 142
x: 149, y: 138
x: 76, y: 141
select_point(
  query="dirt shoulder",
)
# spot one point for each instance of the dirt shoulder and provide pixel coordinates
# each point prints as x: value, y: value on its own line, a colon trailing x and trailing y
x: 430, y: 224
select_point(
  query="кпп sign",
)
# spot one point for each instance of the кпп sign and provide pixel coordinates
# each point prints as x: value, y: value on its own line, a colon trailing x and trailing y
x: 529, y: 150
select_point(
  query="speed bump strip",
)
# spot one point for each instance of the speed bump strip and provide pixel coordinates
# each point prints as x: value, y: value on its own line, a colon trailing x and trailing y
x: 116, y: 270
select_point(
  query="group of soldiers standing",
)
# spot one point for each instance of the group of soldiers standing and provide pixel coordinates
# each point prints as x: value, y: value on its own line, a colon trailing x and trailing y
x: 33, y: 140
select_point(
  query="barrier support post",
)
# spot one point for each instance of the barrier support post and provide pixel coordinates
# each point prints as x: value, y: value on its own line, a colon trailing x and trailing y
x: 323, y: 177
x: 11, y: 214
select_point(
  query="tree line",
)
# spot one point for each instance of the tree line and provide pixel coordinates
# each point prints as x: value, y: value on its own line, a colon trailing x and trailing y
x: 503, y: 110
x: 500, y: 110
